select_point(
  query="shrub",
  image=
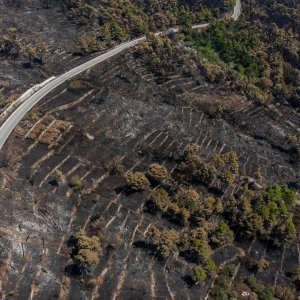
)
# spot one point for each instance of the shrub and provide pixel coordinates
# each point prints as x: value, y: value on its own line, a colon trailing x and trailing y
x: 165, y: 242
x: 259, y: 177
x: 207, y: 206
x: 260, y: 290
x: 137, y: 181
x: 96, y: 226
x: 201, y: 249
x: 222, y: 234
x: 231, y: 159
x: 228, y: 178
x: 295, y: 274
x: 218, y: 206
x: 92, y: 283
x: 188, y: 198
x: 114, y: 168
x: 59, y: 176
x: 158, y: 172
x: 86, y: 249
x: 205, y: 173
x: 199, y: 274
x: 161, y: 199
x: 189, y: 166
x: 262, y: 264
x: 211, y: 266
x: 76, y: 184
x: 178, y: 215
x: 79, y: 85
x: 117, y: 241
x: 196, y: 244
x: 191, y: 150
x: 255, y: 265
x: 222, y: 288
x: 229, y: 270
x: 285, y: 293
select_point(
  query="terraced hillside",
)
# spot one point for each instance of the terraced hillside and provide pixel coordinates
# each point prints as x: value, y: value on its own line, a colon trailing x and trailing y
x: 65, y: 164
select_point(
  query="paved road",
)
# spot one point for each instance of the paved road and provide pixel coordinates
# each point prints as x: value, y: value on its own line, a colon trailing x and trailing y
x: 12, y: 121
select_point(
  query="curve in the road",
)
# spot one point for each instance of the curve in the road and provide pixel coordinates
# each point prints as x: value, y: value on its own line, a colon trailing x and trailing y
x: 11, y: 122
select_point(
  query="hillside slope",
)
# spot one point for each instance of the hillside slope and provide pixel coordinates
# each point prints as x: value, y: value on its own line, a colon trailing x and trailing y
x: 152, y: 175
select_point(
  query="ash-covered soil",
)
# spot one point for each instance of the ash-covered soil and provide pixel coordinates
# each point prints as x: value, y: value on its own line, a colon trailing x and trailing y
x: 37, y: 22
x: 121, y: 112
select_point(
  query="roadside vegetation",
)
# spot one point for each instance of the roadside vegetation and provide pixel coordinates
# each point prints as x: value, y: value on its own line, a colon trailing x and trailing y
x: 113, y: 21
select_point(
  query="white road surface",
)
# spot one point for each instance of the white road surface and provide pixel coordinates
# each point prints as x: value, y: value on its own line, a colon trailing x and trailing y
x: 13, y: 120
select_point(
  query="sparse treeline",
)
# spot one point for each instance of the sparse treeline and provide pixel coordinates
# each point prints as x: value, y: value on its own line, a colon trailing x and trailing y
x: 192, y: 198
x: 12, y: 46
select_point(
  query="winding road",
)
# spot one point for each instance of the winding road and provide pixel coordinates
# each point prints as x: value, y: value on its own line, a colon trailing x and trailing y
x: 12, y: 121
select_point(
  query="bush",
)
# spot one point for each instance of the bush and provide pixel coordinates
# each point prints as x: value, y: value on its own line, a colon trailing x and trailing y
x: 255, y: 265
x: 96, y: 226
x: 79, y: 85
x: 114, y: 168
x: 92, y: 283
x: 59, y: 176
x: 202, y: 249
x: 137, y: 181
x: 158, y: 172
x: 272, y: 206
x: 211, y: 266
x: 295, y: 274
x: 207, y: 206
x: 177, y: 215
x: 222, y: 234
x: 191, y: 150
x: 196, y: 245
x: 229, y: 270
x: 188, y: 198
x: 117, y: 241
x: 205, y: 173
x: 222, y: 288
x: 262, y: 264
x: 199, y: 274
x: 285, y: 293
x: 76, y: 184
x: 262, y: 292
x: 165, y: 242
x: 86, y: 250
x: 161, y: 199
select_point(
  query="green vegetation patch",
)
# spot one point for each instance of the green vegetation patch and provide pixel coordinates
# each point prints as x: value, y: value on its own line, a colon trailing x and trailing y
x: 232, y: 42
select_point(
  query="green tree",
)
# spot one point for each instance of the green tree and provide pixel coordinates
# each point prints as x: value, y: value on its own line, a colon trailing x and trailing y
x: 117, y: 33
x: 222, y: 234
